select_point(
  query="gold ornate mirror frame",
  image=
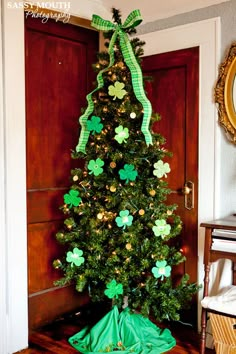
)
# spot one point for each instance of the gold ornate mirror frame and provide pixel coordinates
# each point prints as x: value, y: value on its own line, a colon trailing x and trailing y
x: 225, y: 94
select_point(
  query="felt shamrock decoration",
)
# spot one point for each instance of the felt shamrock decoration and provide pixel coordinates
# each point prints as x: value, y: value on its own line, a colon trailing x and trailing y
x: 161, y: 270
x: 75, y: 257
x: 161, y: 169
x: 124, y: 219
x: 113, y: 289
x: 96, y: 166
x: 117, y: 90
x: 94, y: 125
x: 121, y: 134
x: 161, y: 228
x: 128, y: 173
x: 72, y: 198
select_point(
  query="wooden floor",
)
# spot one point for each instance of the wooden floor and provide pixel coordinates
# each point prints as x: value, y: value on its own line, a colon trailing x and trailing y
x: 54, y: 338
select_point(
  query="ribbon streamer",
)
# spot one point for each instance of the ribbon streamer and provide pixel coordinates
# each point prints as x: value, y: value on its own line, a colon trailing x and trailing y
x: 132, y: 20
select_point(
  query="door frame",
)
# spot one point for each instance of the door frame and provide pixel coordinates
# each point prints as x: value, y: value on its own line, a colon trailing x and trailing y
x: 13, y: 244
x: 205, y: 35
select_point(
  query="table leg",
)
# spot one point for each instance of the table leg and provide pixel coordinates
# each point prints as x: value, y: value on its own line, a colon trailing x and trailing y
x: 204, y: 311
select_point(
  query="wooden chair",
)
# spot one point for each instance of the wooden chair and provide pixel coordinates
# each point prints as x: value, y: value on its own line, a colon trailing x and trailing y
x: 212, y: 255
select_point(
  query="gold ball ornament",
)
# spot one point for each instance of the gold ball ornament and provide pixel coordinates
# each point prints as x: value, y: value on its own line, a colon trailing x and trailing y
x: 60, y: 236
x: 152, y: 192
x: 169, y: 212
x: 100, y: 216
x: 75, y: 178
x: 113, y: 164
x: 128, y: 246
x: 65, y: 208
x: 112, y: 189
x: 141, y: 212
x: 57, y: 263
x: 105, y: 109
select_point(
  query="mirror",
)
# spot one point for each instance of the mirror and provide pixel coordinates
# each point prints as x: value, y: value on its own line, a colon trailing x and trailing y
x: 225, y: 94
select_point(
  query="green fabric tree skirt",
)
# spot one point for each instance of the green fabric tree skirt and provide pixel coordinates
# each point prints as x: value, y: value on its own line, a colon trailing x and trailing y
x: 125, y: 332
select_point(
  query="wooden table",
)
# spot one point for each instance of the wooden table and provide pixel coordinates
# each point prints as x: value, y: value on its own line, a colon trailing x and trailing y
x: 212, y: 255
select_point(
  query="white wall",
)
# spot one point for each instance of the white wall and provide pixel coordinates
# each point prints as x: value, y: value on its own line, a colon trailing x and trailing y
x: 3, y: 266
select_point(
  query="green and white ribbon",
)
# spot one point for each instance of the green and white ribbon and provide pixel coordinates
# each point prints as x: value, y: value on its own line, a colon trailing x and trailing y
x: 132, y: 20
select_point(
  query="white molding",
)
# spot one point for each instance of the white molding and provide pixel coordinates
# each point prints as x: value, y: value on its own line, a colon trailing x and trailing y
x: 3, y: 266
x: 15, y: 235
x: 205, y: 35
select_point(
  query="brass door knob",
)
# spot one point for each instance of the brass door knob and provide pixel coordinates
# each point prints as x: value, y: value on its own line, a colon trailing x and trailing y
x: 186, y: 190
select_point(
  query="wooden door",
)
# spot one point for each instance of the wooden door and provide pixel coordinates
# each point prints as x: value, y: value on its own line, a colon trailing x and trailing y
x: 174, y: 95
x: 59, y: 74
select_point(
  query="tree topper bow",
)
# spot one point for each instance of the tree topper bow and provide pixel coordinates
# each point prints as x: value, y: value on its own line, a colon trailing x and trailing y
x: 132, y: 20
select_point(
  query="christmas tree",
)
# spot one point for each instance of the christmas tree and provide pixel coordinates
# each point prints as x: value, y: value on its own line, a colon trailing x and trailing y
x: 119, y: 230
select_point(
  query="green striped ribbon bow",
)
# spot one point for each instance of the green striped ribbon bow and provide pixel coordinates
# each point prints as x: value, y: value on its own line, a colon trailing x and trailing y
x: 132, y: 20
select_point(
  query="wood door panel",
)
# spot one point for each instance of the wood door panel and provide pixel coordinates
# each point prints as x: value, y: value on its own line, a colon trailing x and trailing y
x: 46, y: 307
x: 55, y: 89
x: 48, y: 208
x: 170, y: 88
x: 41, y: 239
x: 173, y: 92
x: 59, y: 75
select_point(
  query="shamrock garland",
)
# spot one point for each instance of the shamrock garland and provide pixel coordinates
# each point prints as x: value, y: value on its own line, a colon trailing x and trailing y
x: 161, y: 270
x: 162, y: 228
x: 75, y: 257
x: 122, y: 134
x: 95, y: 166
x: 128, y: 173
x: 117, y: 90
x: 124, y: 219
x: 161, y: 169
x: 113, y: 289
x: 72, y: 198
x: 94, y: 125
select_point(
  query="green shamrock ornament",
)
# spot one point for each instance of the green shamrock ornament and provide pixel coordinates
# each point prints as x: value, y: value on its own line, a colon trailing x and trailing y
x: 161, y: 169
x: 117, y: 90
x: 75, y: 257
x: 113, y: 289
x: 128, y: 173
x: 94, y: 125
x: 162, y: 228
x: 121, y: 134
x: 161, y: 270
x: 72, y: 198
x: 124, y: 219
x: 95, y: 166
